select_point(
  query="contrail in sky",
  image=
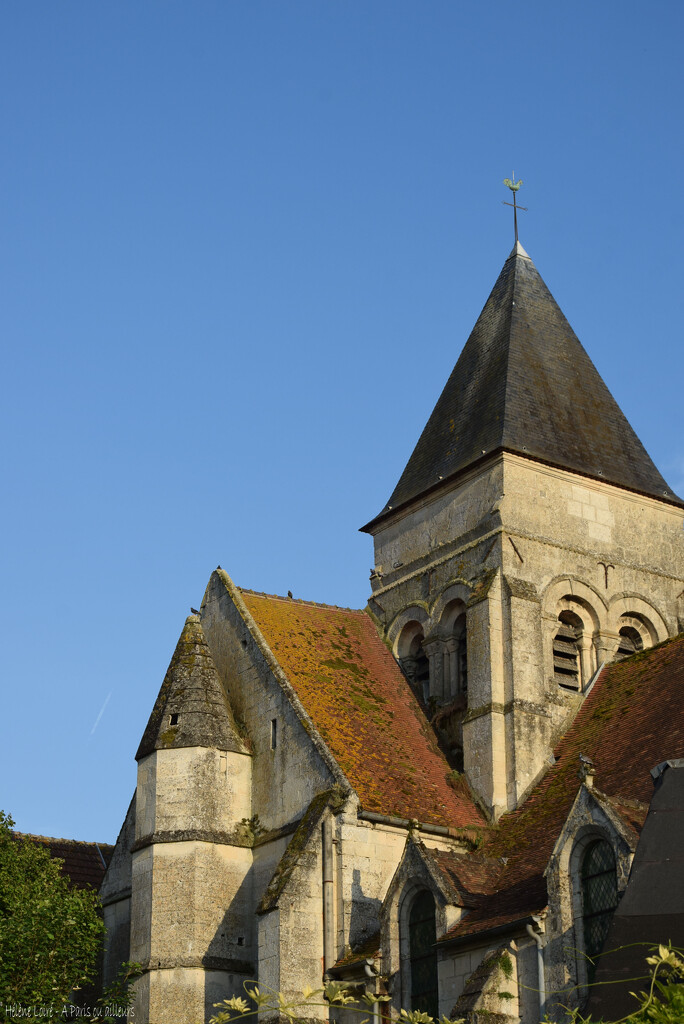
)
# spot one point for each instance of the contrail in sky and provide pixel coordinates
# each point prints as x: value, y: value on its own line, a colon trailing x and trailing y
x: 97, y: 720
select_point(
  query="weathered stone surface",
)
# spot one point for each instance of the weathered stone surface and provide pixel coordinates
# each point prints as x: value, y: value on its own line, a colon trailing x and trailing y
x: 191, y: 709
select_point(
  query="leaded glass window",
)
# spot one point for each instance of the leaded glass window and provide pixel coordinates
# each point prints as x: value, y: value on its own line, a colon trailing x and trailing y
x: 599, y: 895
x: 422, y: 938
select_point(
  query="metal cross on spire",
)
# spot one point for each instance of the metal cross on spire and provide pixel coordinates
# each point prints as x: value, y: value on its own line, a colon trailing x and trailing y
x: 514, y: 186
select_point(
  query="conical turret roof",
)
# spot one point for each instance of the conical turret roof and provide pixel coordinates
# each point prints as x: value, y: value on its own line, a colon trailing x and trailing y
x: 524, y: 383
x: 191, y: 709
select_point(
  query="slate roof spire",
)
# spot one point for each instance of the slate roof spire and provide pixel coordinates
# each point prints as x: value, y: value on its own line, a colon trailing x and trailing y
x: 523, y: 383
x: 191, y: 709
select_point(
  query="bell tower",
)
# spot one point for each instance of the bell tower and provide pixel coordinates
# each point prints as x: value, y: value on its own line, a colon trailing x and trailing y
x: 529, y: 540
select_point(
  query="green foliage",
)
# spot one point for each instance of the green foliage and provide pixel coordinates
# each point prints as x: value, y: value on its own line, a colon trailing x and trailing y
x: 113, y: 1005
x: 252, y: 827
x: 334, y: 993
x: 50, y: 934
x: 663, y: 1003
x: 50, y: 937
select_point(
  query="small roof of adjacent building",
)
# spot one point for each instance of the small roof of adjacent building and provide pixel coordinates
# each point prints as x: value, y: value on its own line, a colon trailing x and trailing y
x: 524, y: 384
x: 364, y: 709
x: 84, y: 863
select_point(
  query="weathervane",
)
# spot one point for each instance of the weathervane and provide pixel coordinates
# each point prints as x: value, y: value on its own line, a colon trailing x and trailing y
x: 514, y: 186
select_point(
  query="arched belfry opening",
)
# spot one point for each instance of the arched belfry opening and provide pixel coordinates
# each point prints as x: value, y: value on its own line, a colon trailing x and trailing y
x: 414, y: 660
x: 567, y: 667
x: 630, y: 641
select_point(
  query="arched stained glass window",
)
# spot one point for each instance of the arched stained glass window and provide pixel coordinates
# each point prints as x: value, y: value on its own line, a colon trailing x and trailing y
x: 599, y: 896
x: 422, y: 938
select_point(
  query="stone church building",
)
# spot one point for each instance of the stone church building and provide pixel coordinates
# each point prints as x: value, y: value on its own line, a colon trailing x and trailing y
x: 438, y: 797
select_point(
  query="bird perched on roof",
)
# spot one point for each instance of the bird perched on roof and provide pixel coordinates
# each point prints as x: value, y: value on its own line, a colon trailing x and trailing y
x: 289, y: 594
x: 585, y: 760
x: 194, y: 611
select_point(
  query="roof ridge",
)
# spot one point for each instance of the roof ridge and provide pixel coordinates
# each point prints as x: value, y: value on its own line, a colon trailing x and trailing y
x: 301, y: 600
x: 58, y: 839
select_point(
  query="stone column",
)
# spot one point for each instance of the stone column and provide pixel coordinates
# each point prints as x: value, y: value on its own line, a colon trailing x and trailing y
x: 451, y: 665
x: 434, y: 648
x: 586, y: 660
x: 606, y: 645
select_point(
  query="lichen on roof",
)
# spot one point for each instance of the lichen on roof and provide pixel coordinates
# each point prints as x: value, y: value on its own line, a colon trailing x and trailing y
x: 191, y: 709
x: 362, y: 706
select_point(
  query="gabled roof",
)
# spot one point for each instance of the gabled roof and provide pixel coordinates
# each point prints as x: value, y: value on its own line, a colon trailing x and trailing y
x: 84, y: 863
x: 523, y: 383
x: 361, y: 704
x: 632, y: 719
x: 290, y: 858
x: 192, y: 698
x: 470, y: 877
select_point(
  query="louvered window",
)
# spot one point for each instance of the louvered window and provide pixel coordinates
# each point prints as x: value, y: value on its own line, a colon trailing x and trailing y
x: 599, y: 896
x: 566, y: 660
x: 416, y: 666
x: 630, y: 642
x: 422, y: 938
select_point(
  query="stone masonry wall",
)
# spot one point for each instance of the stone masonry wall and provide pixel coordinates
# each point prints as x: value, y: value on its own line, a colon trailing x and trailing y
x: 285, y: 779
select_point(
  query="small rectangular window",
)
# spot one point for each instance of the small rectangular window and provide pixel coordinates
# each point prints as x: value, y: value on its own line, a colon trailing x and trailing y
x: 274, y: 733
x: 173, y: 719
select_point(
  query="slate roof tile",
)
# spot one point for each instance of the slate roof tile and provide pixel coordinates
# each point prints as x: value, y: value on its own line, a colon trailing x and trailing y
x: 524, y: 384
x: 354, y: 692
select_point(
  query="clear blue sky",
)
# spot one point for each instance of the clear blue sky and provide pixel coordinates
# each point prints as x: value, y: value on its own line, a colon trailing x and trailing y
x: 242, y: 246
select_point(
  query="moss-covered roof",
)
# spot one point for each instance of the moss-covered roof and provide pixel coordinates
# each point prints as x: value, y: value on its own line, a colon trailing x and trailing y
x: 355, y: 694
x: 290, y: 858
x: 367, y: 949
x: 632, y: 719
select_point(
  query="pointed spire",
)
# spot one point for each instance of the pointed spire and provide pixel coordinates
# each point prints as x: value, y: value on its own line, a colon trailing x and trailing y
x: 523, y: 383
x: 191, y: 709
x: 518, y: 250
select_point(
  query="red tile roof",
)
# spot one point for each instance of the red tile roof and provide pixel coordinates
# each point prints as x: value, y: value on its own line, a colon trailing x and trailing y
x: 82, y: 861
x: 632, y: 719
x: 361, y: 704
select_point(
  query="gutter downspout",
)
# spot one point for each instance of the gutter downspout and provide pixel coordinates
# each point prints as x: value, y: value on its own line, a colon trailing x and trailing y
x: 370, y: 972
x: 328, y: 897
x: 540, y: 963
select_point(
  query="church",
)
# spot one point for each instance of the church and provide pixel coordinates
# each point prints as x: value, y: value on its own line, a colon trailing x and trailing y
x: 437, y: 798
